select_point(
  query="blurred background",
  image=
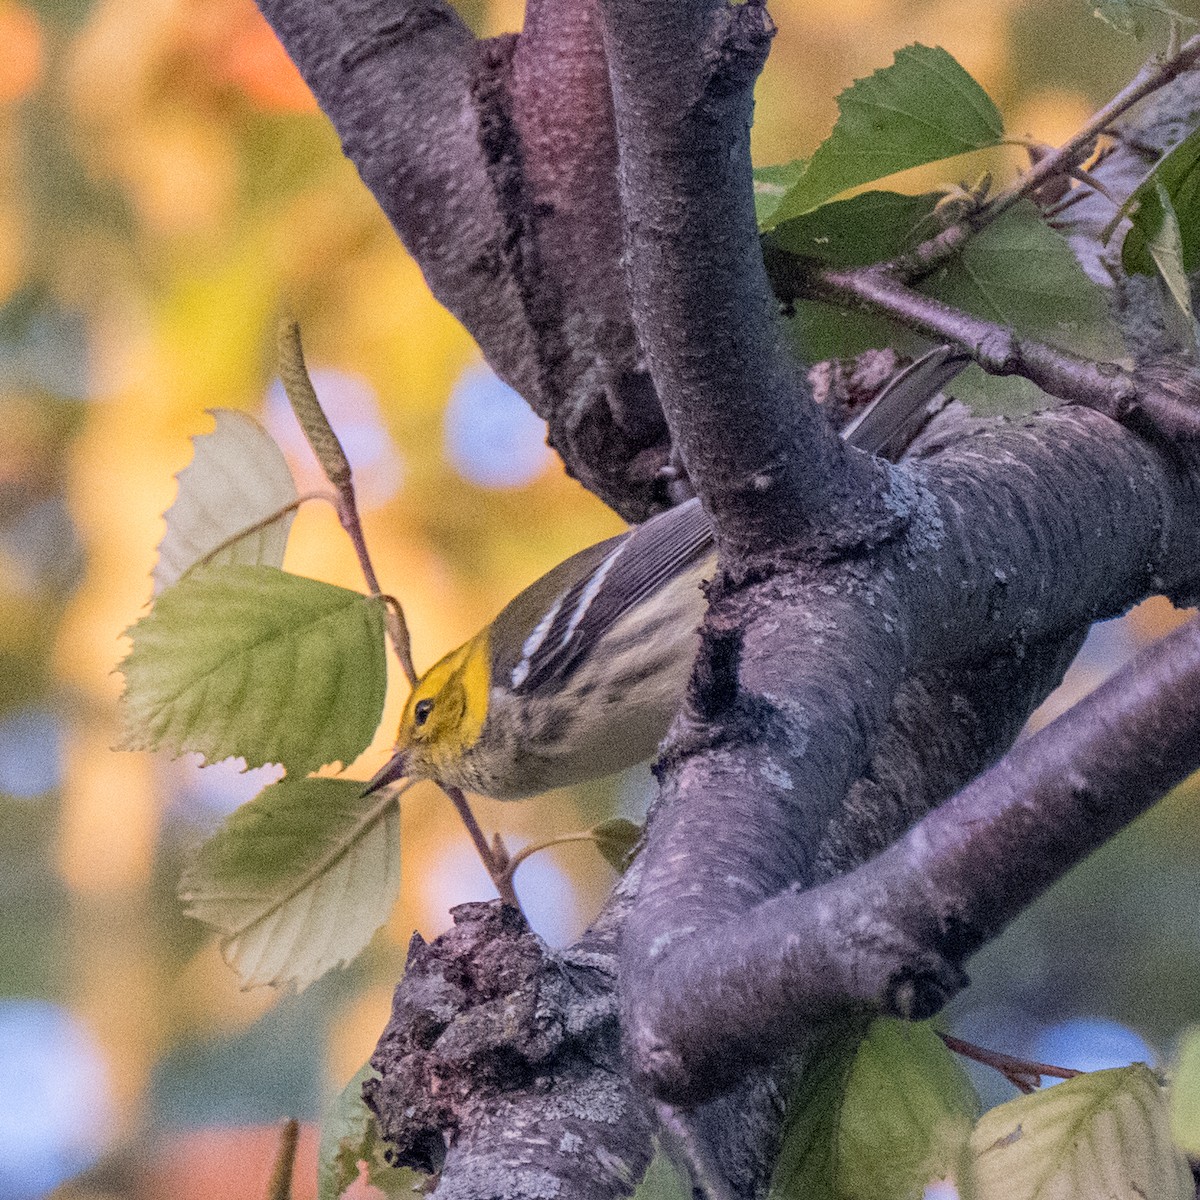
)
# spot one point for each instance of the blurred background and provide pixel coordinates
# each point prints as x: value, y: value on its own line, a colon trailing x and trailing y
x: 166, y: 186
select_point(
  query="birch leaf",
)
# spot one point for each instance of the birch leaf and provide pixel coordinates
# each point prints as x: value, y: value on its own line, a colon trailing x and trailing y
x: 237, y: 478
x: 1103, y: 1134
x: 254, y: 662
x: 922, y: 108
x: 298, y: 880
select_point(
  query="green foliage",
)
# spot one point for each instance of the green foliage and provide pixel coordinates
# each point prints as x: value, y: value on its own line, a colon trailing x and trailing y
x: 880, y: 1115
x: 1164, y: 210
x: 350, y: 1136
x: 616, y: 840
x: 237, y: 479
x: 1019, y: 272
x: 251, y: 661
x: 1103, y: 1134
x: 867, y: 228
x: 1016, y: 271
x: 662, y: 1181
x: 771, y: 184
x: 299, y: 879
x: 1185, y: 1094
x: 1135, y: 17
x: 922, y: 108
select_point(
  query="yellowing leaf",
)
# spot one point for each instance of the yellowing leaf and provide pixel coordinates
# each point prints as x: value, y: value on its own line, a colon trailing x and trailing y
x: 254, y: 662
x: 299, y: 879
x: 1185, y: 1093
x: 1101, y: 1136
x: 237, y: 479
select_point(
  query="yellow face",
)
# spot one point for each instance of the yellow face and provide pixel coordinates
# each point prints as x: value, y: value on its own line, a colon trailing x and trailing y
x: 446, y: 711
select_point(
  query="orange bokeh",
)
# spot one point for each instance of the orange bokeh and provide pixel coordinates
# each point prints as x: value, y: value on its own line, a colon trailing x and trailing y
x: 21, y: 63
x: 256, y: 62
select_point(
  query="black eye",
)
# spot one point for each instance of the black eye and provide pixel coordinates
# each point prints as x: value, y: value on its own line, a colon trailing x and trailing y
x: 421, y: 712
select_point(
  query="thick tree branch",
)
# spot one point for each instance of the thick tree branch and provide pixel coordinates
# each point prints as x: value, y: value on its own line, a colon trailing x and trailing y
x: 893, y: 935
x: 844, y: 689
x: 764, y: 460
x: 797, y: 674
x: 496, y: 163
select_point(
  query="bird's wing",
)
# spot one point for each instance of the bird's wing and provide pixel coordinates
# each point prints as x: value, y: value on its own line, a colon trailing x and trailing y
x: 548, y: 631
x: 608, y: 581
x: 888, y: 425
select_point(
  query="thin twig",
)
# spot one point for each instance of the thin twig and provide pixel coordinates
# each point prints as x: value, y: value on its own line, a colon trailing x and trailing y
x: 1152, y: 76
x: 1023, y: 1073
x: 397, y: 627
x: 931, y: 253
x: 280, y: 1186
x: 497, y: 869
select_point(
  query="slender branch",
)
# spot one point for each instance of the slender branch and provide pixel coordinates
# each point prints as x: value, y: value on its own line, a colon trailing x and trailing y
x: 280, y: 1185
x: 495, y: 864
x: 1152, y: 77
x: 1022, y: 1073
x: 1061, y: 161
x: 1148, y: 399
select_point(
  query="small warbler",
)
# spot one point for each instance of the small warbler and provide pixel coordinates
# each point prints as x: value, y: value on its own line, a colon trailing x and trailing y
x: 581, y: 674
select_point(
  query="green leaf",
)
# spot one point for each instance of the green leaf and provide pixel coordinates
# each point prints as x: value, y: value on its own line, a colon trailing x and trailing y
x: 255, y: 662
x: 1160, y: 239
x: 237, y: 478
x: 1185, y: 1094
x: 298, y: 880
x: 806, y: 1168
x: 350, y: 1136
x: 1132, y: 16
x: 922, y: 108
x: 1019, y: 272
x: 662, y: 1181
x: 1164, y: 209
x: 868, y: 228
x: 771, y: 184
x: 1103, y: 1134
x: 616, y: 840
x: 884, y: 1116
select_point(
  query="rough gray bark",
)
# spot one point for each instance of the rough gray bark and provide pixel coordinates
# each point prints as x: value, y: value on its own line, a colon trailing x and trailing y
x: 877, y: 635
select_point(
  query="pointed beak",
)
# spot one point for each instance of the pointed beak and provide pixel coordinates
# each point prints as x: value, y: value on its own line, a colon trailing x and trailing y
x: 395, y: 768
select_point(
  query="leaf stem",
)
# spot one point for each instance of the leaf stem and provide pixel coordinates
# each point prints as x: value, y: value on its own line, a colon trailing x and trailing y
x: 495, y: 861
x: 536, y: 847
x: 1023, y: 1073
x: 269, y: 519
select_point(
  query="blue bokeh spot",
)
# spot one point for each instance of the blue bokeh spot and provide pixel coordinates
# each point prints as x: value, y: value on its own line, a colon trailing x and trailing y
x: 30, y: 753
x: 55, y: 1106
x: 1091, y: 1044
x: 493, y: 438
